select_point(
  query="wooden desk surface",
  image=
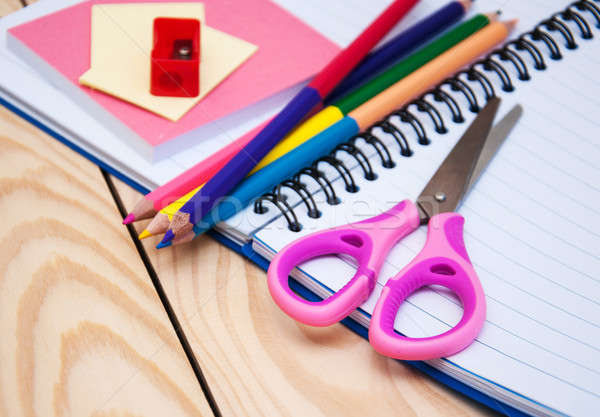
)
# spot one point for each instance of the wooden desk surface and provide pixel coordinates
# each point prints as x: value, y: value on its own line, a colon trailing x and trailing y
x: 94, y: 323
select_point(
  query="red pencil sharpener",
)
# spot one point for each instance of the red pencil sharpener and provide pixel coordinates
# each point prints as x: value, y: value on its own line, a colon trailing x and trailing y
x: 175, y: 61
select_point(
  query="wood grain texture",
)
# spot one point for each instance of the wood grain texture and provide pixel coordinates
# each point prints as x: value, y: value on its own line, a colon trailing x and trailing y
x: 83, y: 331
x: 258, y: 361
x: 9, y: 6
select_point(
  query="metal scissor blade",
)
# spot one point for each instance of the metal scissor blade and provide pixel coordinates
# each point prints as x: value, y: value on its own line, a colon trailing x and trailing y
x: 497, y: 135
x: 448, y: 185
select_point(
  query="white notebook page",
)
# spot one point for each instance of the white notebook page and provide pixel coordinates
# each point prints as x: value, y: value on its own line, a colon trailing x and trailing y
x: 532, y: 231
x: 23, y: 87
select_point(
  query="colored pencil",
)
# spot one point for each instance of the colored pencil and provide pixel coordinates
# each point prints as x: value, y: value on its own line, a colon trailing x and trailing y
x: 359, y: 119
x: 303, y: 103
x: 164, y: 195
x: 338, y: 109
x: 430, y: 74
x: 393, y: 50
x: 400, y: 45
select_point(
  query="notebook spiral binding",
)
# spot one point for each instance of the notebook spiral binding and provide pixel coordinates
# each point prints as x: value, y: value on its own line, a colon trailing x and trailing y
x: 463, y: 82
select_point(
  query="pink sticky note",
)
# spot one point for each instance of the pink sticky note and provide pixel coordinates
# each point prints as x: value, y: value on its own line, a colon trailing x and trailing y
x: 289, y: 52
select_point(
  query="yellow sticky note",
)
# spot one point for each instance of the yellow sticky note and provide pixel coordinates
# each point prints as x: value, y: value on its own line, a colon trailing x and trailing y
x: 121, y: 39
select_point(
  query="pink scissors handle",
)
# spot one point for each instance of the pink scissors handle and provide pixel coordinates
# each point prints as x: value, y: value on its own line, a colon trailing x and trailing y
x: 443, y: 261
x: 368, y: 242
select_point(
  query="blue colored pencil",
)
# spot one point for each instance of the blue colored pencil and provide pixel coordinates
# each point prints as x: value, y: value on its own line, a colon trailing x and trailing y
x: 301, y: 105
x: 400, y: 45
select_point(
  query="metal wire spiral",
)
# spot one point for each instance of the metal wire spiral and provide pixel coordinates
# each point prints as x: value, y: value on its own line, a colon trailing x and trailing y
x: 544, y: 37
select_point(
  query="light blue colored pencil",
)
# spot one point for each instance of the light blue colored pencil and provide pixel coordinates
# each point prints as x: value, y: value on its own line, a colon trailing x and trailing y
x: 264, y: 180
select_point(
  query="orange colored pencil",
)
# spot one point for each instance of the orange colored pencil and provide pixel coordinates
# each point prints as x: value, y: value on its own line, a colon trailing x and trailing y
x: 430, y: 74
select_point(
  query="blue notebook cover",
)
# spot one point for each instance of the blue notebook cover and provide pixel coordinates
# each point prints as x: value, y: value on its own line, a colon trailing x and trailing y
x: 250, y: 254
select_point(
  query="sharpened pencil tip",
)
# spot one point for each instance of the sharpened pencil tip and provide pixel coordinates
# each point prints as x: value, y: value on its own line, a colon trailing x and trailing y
x: 163, y: 245
x: 466, y: 4
x: 493, y: 16
x: 129, y: 219
x: 168, y: 236
x: 510, y: 25
x: 145, y: 233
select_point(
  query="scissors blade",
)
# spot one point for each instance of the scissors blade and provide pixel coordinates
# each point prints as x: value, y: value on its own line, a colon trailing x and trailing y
x: 497, y: 135
x: 446, y: 189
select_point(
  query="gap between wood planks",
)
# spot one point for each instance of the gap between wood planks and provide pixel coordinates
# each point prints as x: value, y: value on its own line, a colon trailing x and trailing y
x: 160, y: 291
x: 163, y: 297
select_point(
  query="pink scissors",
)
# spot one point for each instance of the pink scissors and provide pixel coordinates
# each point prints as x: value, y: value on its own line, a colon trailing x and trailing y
x: 442, y: 261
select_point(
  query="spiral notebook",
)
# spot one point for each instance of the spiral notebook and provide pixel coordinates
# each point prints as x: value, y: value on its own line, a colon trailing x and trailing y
x: 532, y: 221
x: 532, y: 224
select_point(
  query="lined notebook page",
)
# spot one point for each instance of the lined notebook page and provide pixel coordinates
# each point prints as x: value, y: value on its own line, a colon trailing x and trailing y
x: 532, y: 231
